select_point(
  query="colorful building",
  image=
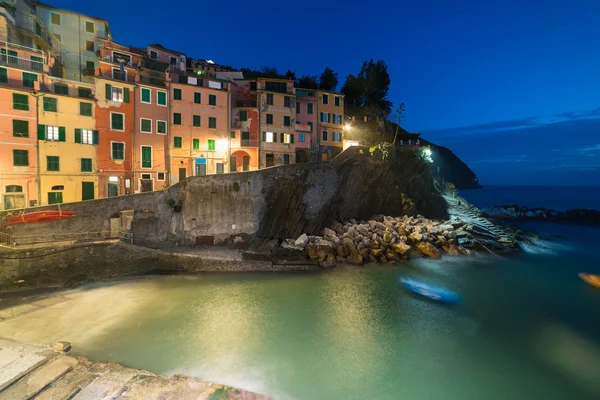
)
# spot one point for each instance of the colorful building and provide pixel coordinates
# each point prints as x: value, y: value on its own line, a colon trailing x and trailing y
x: 307, y: 143
x: 330, y: 109
x: 78, y: 39
x: 245, y: 124
x: 115, y: 84
x: 67, y: 140
x: 277, y: 113
x: 20, y: 72
x: 199, y: 125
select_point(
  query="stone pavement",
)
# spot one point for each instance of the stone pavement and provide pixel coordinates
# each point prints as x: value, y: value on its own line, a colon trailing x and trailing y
x: 36, y: 372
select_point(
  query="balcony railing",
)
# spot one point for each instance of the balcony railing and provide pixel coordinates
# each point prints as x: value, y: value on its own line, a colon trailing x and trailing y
x: 22, y: 63
x: 119, y: 76
x: 154, y: 65
x: 152, y: 80
x: 244, y: 143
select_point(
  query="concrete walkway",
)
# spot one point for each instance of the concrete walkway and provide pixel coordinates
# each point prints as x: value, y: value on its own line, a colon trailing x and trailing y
x: 37, y: 372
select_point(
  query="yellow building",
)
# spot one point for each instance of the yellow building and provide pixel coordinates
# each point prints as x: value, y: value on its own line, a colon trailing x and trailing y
x: 67, y: 142
x: 330, y: 112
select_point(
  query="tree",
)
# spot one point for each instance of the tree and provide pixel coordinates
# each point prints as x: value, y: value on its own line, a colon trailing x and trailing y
x: 290, y: 75
x: 398, y: 119
x: 307, y: 82
x: 269, y: 72
x: 369, y: 89
x: 328, y: 80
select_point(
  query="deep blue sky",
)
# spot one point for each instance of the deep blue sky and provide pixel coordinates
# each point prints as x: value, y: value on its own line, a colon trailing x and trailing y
x: 510, y: 86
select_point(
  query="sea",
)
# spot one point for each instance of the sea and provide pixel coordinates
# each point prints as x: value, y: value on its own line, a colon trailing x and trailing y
x: 528, y: 327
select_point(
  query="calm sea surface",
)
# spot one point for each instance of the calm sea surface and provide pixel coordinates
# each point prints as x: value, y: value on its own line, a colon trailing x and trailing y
x: 529, y: 328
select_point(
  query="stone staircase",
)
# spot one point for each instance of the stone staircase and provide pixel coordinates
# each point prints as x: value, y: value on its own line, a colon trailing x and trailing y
x: 461, y: 209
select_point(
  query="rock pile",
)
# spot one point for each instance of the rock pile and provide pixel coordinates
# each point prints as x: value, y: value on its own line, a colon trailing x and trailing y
x: 513, y: 211
x: 385, y: 239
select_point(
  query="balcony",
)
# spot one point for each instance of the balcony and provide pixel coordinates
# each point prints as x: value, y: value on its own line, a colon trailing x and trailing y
x: 242, y: 143
x: 119, y: 76
x: 35, y: 65
x: 152, y: 80
x: 154, y: 65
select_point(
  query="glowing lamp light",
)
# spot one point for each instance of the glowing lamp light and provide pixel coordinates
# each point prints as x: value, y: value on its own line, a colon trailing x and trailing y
x: 428, y: 152
x: 347, y: 127
x: 221, y: 145
x: 349, y: 143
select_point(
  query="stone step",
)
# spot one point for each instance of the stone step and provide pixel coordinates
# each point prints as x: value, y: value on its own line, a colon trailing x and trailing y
x: 67, y: 386
x: 15, y: 363
x: 33, y: 383
x: 107, y: 386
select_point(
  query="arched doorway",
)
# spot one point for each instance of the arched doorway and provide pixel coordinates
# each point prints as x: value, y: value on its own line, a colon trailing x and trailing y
x: 240, y: 161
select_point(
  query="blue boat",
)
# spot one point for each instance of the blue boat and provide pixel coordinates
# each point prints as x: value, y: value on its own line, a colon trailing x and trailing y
x: 430, y: 291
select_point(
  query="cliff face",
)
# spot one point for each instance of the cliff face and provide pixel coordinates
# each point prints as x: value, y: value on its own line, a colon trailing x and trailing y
x: 352, y: 186
x: 452, y: 168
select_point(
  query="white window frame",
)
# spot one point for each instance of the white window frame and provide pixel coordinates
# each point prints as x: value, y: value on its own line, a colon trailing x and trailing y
x: 142, y: 97
x: 166, y: 98
x: 93, y: 29
x: 87, y: 136
x: 115, y: 90
x: 111, y: 151
x: 147, y: 119
x: 166, y: 127
x: 111, y: 127
x: 158, y: 176
x: 272, y: 137
x: 151, y: 157
x: 52, y: 134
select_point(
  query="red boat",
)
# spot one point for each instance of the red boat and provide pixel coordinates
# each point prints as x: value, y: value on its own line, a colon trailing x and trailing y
x: 39, y: 216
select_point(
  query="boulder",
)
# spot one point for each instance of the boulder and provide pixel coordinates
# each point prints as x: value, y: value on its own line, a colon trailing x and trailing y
x: 328, y: 233
x: 375, y: 252
x: 446, y: 227
x: 341, y: 251
x: 302, y: 241
x: 461, y: 233
x: 377, y: 218
x: 415, y: 237
x: 391, y: 255
x: 340, y: 259
x: 311, y: 250
x: 401, y: 247
x: 451, y: 250
x: 328, y: 261
x: 363, y: 230
x: 387, y: 237
x: 324, y: 248
x: 429, y: 250
x: 414, y: 253
x: 61, y: 346
x: 349, y: 246
x: 355, y: 259
x: 338, y: 228
x: 464, y: 251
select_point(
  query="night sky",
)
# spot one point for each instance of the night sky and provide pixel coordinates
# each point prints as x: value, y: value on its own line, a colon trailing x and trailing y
x: 512, y: 87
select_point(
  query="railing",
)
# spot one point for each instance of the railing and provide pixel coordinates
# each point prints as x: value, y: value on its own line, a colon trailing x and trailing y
x: 244, y: 143
x: 154, y: 65
x: 22, y: 63
x: 11, y: 241
x: 152, y: 80
x: 120, y: 76
x: 246, y: 104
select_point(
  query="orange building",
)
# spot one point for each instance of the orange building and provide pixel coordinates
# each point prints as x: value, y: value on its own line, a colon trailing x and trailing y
x: 21, y: 71
x: 115, y: 121
x: 330, y: 112
x: 199, y: 125
x: 245, y: 120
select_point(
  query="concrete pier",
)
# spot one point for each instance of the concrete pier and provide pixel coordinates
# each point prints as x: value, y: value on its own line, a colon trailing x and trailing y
x: 30, y: 371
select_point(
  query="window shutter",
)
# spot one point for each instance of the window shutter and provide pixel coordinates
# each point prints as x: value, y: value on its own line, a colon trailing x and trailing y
x: 41, y: 132
x: 77, y: 135
x: 281, y: 137
x: 274, y: 137
x: 264, y: 136
x: 292, y: 138
x: 108, y: 92
x: 126, y: 95
x: 95, y: 135
x: 62, y: 134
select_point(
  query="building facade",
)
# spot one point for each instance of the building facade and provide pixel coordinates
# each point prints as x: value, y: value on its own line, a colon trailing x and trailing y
x: 307, y: 143
x: 199, y: 125
x: 245, y: 124
x: 277, y: 112
x: 78, y: 38
x: 67, y: 140
x: 330, y: 108
x: 115, y: 117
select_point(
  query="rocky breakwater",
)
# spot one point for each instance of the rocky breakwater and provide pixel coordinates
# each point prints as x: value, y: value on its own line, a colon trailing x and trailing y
x: 387, y: 239
x: 513, y: 211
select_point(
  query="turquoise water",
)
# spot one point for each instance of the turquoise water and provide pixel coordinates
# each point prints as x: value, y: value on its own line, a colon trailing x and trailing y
x: 529, y: 328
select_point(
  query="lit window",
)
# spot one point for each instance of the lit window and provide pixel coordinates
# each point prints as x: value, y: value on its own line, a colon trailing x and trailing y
x: 117, y: 94
x: 52, y: 133
x: 87, y: 136
x: 269, y: 137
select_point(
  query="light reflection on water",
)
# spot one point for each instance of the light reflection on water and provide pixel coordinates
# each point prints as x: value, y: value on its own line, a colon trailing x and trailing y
x: 348, y: 333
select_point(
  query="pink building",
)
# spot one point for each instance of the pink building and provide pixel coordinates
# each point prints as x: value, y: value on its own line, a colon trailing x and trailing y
x: 306, y: 126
